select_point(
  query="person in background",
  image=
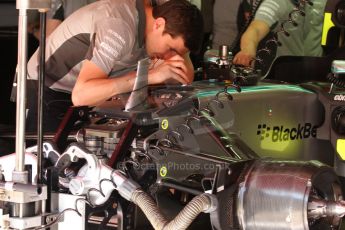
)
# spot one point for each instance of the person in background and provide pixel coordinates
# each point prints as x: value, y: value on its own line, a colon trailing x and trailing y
x: 93, y: 54
x: 225, y: 27
x: 303, y: 40
x: 60, y: 10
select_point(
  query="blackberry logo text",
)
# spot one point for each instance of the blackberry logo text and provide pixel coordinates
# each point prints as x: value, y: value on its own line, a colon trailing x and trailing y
x: 281, y: 133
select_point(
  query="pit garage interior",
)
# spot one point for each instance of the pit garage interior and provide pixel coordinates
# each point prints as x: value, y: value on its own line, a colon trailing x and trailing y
x: 239, y: 148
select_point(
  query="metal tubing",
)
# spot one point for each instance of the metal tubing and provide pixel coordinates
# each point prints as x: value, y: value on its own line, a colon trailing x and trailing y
x: 32, y: 137
x: 40, y: 114
x: 21, y: 90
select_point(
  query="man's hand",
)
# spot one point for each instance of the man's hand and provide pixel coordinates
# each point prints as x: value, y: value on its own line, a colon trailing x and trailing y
x: 173, y: 71
x: 244, y: 58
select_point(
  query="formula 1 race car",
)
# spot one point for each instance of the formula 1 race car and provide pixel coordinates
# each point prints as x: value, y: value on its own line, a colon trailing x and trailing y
x: 239, y: 155
x: 235, y: 150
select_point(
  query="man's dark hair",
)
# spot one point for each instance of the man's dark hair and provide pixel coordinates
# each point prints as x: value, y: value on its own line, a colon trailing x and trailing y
x: 182, y: 19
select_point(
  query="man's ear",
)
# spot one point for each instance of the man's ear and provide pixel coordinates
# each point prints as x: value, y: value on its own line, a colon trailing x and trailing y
x: 159, y: 24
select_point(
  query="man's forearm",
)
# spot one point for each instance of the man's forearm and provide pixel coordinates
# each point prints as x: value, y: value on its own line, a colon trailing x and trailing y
x: 256, y: 31
x: 96, y: 91
x: 249, y: 41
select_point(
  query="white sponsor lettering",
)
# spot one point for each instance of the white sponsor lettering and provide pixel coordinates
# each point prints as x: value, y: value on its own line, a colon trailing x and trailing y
x: 113, y: 42
x: 117, y: 36
x: 112, y: 51
x: 340, y: 97
x: 104, y: 54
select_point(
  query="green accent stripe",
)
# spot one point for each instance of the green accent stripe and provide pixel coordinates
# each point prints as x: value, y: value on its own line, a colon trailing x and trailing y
x: 254, y: 89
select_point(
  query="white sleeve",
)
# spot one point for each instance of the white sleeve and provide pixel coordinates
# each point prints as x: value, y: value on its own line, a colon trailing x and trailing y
x: 272, y: 11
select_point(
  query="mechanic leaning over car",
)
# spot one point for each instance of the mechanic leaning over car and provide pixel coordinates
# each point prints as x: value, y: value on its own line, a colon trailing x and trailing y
x: 93, y: 54
x: 304, y: 39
